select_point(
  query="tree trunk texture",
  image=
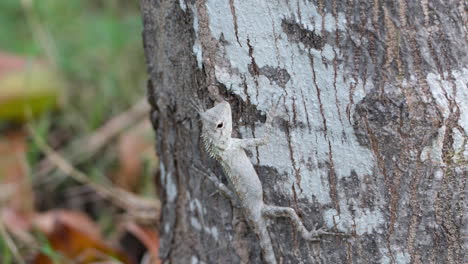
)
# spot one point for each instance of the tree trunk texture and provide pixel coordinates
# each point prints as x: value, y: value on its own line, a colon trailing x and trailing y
x: 371, y: 137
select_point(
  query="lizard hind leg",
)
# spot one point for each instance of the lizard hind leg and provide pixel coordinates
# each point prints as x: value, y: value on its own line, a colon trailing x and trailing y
x: 272, y: 211
x: 265, y: 242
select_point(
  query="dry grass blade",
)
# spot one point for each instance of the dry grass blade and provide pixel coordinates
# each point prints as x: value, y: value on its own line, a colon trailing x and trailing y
x: 10, y: 243
x: 89, y: 146
x: 6, y: 191
x: 117, y: 124
x: 133, y: 204
x: 41, y: 34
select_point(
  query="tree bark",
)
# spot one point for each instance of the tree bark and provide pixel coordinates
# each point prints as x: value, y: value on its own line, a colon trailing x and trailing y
x: 372, y: 134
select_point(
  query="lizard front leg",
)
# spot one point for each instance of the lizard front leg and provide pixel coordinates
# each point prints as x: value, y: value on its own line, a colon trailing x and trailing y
x: 221, y: 187
x: 256, y: 142
x: 312, y: 235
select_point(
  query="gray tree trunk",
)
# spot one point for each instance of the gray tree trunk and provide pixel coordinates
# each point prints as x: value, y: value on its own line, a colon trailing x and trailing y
x: 372, y: 134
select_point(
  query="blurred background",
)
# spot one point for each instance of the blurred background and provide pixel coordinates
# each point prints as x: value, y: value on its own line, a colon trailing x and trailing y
x: 77, y: 160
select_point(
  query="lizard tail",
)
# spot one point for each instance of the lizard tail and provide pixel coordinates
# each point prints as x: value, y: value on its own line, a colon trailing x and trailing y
x: 265, y: 243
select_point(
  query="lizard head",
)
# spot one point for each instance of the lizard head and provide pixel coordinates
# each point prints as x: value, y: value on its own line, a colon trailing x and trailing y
x: 217, y: 124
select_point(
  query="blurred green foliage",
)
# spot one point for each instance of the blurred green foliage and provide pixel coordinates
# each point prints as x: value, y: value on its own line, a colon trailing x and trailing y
x: 5, y: 254
x: 98, y: 50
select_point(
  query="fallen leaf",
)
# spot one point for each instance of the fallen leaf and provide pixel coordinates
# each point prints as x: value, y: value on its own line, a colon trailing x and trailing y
x: 27, y: 88
x: 45, y: 222
x: 149, y: 237
x: 74, y: 237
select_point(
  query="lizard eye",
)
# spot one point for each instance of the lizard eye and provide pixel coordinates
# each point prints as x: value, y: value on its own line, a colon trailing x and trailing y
x: 219, y: 125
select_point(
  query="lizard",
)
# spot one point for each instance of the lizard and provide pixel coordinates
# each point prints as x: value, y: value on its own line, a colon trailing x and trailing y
x: 247, y: 190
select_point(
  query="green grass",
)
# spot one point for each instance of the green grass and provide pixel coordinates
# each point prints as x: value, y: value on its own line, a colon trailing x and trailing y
x: 5, y: 254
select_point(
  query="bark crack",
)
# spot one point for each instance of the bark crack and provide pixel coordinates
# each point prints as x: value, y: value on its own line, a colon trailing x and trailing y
x: 306, y: 112
x: 332, y: 180
x: 415, y: 215
x: 234, y: 18
x: 297, y: 171
x: 255, y: 70
x: 294, y: 110
x: 318, y: 95
x: 335, y: 76
x: 445, y: 212
x: 252, y: 125
x: 391, y: 41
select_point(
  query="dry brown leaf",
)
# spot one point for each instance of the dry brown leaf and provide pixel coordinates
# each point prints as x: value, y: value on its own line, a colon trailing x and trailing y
x: 45, y: 222
x: 76, y: 238
x: 149, y: 237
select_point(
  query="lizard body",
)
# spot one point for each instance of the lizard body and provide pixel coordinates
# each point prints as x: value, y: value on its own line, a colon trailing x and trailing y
x: 248, y: 191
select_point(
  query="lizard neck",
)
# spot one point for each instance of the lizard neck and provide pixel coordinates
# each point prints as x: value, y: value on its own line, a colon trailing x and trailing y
x: 214, y: 148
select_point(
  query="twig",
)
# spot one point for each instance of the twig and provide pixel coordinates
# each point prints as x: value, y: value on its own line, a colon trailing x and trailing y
x: 41, y: 34
x: 130, y: 202
x: 10, y: 243
x: 90, y: 145
x: 6, y: 191
x: 116, y: 125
